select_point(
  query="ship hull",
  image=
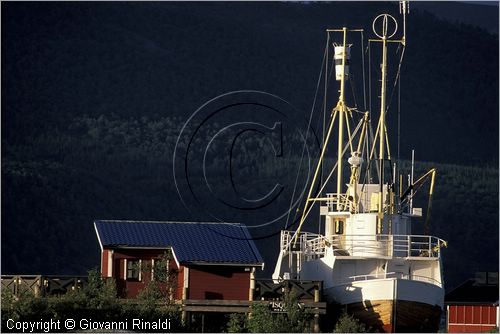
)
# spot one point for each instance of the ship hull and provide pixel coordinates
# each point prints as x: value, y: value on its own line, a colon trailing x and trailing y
x: 397, y: 315
x: 391, y: 305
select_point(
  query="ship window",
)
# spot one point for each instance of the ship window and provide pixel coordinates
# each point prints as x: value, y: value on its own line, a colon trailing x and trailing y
x: 339, y: 227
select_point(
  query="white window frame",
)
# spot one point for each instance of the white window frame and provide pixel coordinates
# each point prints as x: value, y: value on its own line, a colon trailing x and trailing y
x: 139, y: 274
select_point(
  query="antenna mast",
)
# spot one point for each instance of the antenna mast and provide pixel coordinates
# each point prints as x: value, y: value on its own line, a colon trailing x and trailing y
x: 343, y: 71
x: 342, y: 55
x: 382, y: 116
x: 387, y: 28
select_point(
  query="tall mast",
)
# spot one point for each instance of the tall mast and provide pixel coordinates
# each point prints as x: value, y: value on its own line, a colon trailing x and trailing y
x: 342, y: 110
x: 382, y: 117
x: 385, y: 34
x: 341, y: 57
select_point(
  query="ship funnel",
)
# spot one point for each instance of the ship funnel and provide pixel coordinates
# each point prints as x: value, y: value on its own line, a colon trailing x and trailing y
x: 339, y: 54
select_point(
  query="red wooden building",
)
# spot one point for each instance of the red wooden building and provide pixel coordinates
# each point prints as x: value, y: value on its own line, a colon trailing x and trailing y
x: 210, y: 260
x: 473, y: 306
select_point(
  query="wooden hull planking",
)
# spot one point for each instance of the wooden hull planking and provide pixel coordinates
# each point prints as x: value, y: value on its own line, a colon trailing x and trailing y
x: 397, y: 316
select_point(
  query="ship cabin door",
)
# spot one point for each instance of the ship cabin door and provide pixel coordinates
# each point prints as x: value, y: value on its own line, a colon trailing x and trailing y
x: 334, y: 226
x: 401, y: 225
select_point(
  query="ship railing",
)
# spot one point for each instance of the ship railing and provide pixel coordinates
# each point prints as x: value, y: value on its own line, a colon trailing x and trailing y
x: 334, y: 198
x: 286, y: 237
x: 314, y: 245
x: 410, y: 277
x: 309, y: 244
x: 389, y: 245
x: 368, y: 277
x: 421, y: 278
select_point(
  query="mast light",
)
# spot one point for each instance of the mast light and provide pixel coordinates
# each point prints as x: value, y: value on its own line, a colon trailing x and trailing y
x: 338, y: 55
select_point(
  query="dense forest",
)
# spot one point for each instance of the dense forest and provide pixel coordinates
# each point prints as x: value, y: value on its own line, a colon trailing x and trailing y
x: 95, y: 96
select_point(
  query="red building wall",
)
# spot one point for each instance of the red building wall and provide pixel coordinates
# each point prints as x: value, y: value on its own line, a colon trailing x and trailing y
x: 219, y: 282
x: 104, y: 263
x: 180, y: 283
x: 471, y: 318
x: 205, y: 282
x: 127, y: 288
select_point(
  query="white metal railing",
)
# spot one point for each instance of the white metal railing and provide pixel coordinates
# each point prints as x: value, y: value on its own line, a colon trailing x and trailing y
x: 308, y: 246
x: 368, y: 277
x: 314, y: 245
x: 421, y: 278
x: 386, y: 245
x: 409, y: 277
x: 286, y: 237
x: 332, y: 201
x: 389, y: 245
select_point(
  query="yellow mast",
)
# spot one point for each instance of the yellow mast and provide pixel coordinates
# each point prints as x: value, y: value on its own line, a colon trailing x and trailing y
x: 385, y: 37
x: 382, y: 125
x: 342, y: 110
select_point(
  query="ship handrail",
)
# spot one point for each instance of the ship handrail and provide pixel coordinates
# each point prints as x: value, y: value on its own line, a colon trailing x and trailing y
x: 366, y: 277
x: 422, y: 279
x: 393, y: 245
x: 286, y: 238
x: 371, y: 245
x: 410, y: 277
x: 332, y: 198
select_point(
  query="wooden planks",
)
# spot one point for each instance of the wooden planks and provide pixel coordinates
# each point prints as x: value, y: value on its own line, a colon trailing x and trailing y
x: 400, y: 316
x: 375, y: 313
x: 417, y: 317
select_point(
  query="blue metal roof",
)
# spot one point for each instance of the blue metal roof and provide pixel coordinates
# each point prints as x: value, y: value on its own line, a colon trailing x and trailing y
x: 192, y: 242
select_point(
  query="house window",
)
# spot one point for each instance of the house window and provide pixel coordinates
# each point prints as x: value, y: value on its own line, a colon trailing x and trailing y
x: 160, y: 269
x: 133, y: 270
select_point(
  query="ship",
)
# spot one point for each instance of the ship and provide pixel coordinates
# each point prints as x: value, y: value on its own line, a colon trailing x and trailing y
x: 365, y: 254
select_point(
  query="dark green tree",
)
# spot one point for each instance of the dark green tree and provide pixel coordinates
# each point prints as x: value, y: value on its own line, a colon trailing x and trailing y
x: 155, y: 299
x: 348, y: 324
x: 293, y: 318
x: 237, y: 323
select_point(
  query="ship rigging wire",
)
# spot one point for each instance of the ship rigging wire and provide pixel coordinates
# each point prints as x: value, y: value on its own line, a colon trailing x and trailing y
x: 363, y: 64
x: 307, y: 134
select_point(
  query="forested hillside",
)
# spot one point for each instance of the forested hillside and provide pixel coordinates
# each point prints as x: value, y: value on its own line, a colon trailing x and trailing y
x: 94, y: 97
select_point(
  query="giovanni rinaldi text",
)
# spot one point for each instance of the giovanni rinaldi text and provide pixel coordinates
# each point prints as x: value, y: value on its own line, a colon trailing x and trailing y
x: 47, y: 326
